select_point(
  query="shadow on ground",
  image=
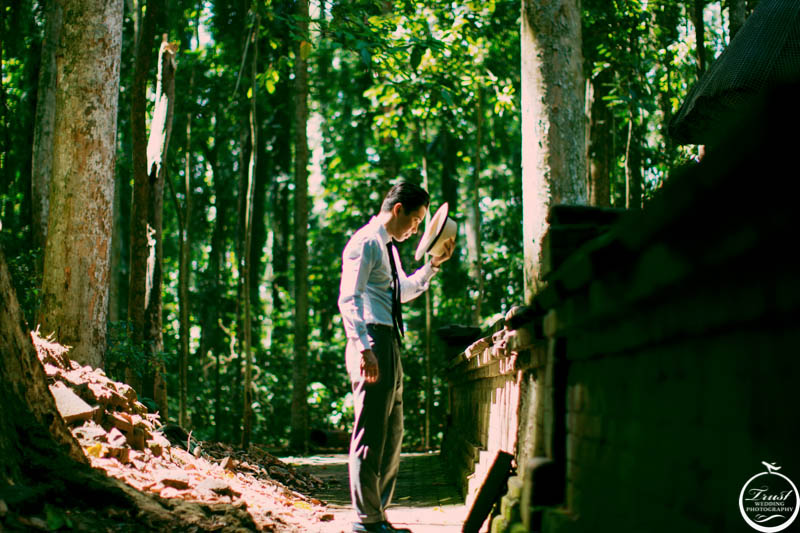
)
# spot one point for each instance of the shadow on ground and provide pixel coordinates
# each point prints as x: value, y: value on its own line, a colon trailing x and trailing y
x: 424, y: 499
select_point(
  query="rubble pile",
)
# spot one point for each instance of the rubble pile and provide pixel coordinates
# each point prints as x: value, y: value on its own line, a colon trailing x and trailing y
x: 262, y: 465
x: 120, y: 436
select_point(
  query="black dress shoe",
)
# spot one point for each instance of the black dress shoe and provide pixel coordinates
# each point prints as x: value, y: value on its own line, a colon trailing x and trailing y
x: 377, y: 527
x: 390, y: 528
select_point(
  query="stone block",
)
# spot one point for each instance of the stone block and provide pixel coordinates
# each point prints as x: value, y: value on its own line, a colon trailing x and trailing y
x: 499, y: 524
x: 70, y: 405
x: 509, y: 508
x: 542, y: 486
x: 518, y: 527
x: 515, y: 485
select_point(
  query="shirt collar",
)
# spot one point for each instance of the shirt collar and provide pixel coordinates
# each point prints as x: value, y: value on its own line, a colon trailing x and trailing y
x: 380, y: 230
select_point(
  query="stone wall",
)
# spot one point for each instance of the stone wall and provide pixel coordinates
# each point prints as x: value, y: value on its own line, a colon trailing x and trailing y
x: 669, y: 356
x: 485, y: 384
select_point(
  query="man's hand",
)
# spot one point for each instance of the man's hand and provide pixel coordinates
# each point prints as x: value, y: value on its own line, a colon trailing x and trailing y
x: 369, y: 366
x: 449, y: 246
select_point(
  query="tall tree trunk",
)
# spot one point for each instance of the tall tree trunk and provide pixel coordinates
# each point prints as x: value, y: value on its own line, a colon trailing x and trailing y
x: 116, y: 252
x: 184, y: 218
x: 237, y: 352
x: 4, y: 129
x: 211, y: 333
x: 299, y: 431
x: 77, y: 259
x: 553, y: 137
x: 140, y: 237
x: 281, y: 152
x: 737, y: 15
x: 157, y: 145
x: 144, y: 306
x: 633, y: 165
x: 599, y: 190
x: 42, y: 163
x: 281, y: 155
x: 422, y: 143
x: 449, y: 146
x: 473, y: 227
x: 665, y: 103
x: 699, y: 34
x: 247, y: 407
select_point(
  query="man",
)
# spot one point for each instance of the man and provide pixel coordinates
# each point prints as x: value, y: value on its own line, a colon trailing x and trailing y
x: 372, y: 288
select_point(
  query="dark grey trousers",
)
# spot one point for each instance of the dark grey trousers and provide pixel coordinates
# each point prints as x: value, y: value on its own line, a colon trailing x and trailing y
x: 378, y: 427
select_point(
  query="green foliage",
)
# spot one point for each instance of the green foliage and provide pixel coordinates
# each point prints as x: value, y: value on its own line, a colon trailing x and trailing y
x: 124, y: 354
x: 396, y: 93
x: 24, y: 265
x: 56, y: 518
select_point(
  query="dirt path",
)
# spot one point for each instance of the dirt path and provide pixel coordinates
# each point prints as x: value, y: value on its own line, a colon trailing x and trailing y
x: 425, y: 501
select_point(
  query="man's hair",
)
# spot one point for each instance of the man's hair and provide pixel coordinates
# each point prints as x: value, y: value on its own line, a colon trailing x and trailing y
x: 410, y: 195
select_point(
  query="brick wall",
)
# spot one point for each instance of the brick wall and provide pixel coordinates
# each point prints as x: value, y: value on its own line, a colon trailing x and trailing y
x: 669, y: 361
x: 486, y: 384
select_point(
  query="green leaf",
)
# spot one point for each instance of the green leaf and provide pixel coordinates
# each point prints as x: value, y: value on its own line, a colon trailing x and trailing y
x: 366, y: 57
x: 447, y: 97
x: 416, y: 56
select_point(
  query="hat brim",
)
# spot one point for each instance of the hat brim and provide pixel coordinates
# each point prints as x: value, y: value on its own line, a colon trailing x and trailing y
x: 434, y: 231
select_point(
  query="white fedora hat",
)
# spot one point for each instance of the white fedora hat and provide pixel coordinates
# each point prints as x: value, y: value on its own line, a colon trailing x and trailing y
x: 440, y: 228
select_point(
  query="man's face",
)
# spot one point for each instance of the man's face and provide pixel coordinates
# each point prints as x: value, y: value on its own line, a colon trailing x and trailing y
x: 407, y: 223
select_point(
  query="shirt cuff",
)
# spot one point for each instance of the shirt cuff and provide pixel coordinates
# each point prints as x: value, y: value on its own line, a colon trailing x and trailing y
x: 362, y: 343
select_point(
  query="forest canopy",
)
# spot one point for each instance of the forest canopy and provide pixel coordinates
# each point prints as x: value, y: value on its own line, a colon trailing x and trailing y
x: 249, y: 140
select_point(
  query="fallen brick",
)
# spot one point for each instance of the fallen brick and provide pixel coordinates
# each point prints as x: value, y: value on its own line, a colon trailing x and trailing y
x: 70, y: 405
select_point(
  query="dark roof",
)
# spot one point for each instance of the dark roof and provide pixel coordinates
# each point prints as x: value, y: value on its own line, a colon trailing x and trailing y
x: 765, y: 52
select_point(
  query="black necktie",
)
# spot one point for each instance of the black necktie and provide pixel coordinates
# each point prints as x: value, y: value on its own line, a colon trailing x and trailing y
x: 397, y: 312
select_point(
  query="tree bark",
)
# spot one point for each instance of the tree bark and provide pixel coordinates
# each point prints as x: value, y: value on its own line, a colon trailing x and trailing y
x: 422, y: 141
x: 247, y: 409
x: 211, y: 333
x: 184, y: 218
x: 237, y: 351
x: 599, y: 190
x: 120, y: 241
x: 4, y: 129
x: 473, y: 226
x: 665, y: 103
x: 299, y: 430
x: 450, y: 280
x: 140, y: 246
x: 77, y: 258
x: 633, y: 164
x: 699, y: 34
x: 42, y: 163
x: 144, y: 305
x: 553, y: 136
x: 157, y: 145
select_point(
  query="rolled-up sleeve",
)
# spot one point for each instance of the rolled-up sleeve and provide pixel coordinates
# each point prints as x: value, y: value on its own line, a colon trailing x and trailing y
x: 357, y: 261
x: 415, y: 284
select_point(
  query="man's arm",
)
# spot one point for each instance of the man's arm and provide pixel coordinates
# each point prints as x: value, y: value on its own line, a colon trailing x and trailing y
x: 418, y: 282
x: 357, y: 261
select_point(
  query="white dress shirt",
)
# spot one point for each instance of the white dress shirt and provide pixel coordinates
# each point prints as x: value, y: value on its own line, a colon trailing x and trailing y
x: 365, y: 292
